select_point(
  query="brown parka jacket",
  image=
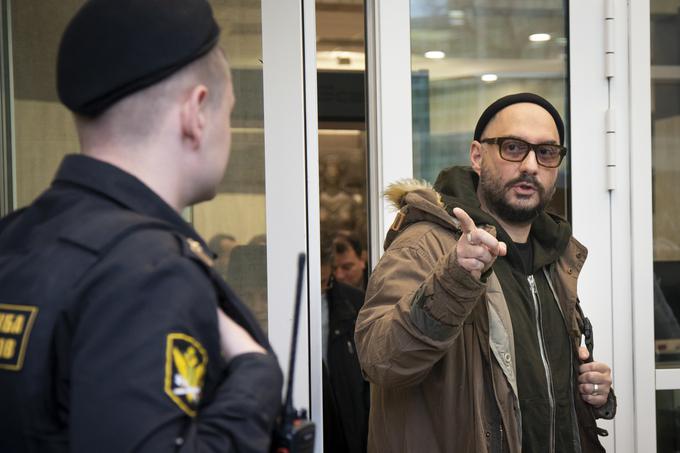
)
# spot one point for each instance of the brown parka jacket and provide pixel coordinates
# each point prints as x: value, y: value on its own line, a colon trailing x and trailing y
x: 437, y: 344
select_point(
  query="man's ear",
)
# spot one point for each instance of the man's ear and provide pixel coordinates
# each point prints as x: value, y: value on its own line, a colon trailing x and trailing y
x: 476, y: 156
x: 192, y: 116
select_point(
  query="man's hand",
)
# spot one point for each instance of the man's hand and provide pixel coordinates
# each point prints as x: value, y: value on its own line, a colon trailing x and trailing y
x: 595, y: 380
x: 477, y: 249
x: 234, y: 340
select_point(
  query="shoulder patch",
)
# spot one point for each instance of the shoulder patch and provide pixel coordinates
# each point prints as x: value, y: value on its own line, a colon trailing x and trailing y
x: 16, y: 322
x: 185, y: 367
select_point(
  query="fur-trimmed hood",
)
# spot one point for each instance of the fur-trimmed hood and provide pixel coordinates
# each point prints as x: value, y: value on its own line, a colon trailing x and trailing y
x: 397, y: 191
x: 416, y: 201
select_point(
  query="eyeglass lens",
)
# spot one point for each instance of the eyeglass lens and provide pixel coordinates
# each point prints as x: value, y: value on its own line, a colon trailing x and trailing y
x: 516, y: 151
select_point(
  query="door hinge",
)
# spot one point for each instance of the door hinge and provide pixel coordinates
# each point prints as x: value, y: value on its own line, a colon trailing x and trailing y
x: 609, y: 45
x: 610, y: 147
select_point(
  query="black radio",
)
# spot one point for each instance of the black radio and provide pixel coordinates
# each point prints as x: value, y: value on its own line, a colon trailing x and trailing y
x: 294, y: 432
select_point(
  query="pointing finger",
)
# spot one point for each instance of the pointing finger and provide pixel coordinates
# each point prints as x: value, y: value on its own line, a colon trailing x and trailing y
x: 466, y: 223
x: 488, y: 240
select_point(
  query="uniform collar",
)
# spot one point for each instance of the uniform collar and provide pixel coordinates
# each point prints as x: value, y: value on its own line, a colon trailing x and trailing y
x: 123, y: 188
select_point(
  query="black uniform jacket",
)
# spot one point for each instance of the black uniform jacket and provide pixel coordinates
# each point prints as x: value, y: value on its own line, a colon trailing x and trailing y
x: 109, y: 339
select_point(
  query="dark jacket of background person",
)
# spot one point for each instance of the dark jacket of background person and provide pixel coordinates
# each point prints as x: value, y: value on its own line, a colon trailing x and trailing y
x: 346, y: 393
x: 438, y: 345
x: 112, y: 276
x: 247, y: 276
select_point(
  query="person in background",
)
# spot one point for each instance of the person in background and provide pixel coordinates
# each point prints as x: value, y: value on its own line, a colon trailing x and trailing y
x: 247, y: 276
x: 222, y: 245
x: 471, y: 329
x: 346, y: 397
x: 118, y: 335
x: 349, y: 260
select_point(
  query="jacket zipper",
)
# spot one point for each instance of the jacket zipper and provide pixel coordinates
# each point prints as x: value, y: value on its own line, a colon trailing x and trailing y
x: 574, y: 428
x: 546, y: 365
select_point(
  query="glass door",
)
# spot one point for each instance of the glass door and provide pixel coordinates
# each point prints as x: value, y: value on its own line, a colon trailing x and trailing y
x: 665, y: 103
x: 427, y: 88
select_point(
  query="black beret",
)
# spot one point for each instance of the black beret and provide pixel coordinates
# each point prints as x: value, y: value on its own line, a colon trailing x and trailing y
x: 112, y: 48
x: 517, y: 98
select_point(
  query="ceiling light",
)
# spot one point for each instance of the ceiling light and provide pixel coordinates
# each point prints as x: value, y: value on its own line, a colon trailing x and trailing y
x: 434, y: 54
x: 539, y: 37
x: 457, y: 17
x: 456, y: 14
x: 489, y: 77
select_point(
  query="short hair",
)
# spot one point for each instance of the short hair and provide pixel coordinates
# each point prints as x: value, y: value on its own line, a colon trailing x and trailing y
x: 345, y: 241
x: 215, y: 244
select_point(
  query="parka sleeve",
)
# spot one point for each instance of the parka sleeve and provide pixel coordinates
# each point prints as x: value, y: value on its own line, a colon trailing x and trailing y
x: 417, y: 301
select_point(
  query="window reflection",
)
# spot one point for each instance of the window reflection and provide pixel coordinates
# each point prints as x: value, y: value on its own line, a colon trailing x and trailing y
x: 43, y: 128
x: 665, y: 50
x: 234, y: 222
x: 468, y: 53
x: 343, y: 218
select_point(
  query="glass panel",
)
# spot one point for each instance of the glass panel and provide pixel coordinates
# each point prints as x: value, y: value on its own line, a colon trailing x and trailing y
x: 234, y: 221
x: 44, y: 130
x: 343, y: 217
x: 468, y: 53
x: 665, y: 52
x: 667, y: 421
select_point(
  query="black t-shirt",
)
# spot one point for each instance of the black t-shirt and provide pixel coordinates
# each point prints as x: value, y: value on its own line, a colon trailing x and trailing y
x: 526, y: 252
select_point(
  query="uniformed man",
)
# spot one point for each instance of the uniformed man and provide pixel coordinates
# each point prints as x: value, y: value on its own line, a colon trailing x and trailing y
x: 116, y: 334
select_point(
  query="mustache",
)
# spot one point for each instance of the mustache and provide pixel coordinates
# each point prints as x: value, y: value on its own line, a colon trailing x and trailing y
x: 527, y: 179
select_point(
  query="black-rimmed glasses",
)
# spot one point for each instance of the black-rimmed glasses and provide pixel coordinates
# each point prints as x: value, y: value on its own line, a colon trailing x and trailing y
x: 516, y: 150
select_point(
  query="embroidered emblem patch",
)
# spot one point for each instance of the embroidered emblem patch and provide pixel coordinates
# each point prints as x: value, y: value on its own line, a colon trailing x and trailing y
x: 185, y: 366
x: 16, y: 322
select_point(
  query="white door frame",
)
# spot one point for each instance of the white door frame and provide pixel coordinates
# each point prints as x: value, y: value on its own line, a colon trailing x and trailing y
x: 591, y: 199
x: 292, y: 192
x: 388, y: 71
x: 286, y: 103
x: 648, y: 380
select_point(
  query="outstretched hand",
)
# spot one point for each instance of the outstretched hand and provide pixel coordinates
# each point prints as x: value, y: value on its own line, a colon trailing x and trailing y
x: 476, y: 249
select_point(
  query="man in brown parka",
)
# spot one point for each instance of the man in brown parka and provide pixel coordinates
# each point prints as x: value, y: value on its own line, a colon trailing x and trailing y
x: 471, y: 330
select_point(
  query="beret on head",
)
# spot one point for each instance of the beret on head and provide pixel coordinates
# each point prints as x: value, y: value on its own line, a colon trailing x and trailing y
x: 518, y: 98
x: 112, y: 48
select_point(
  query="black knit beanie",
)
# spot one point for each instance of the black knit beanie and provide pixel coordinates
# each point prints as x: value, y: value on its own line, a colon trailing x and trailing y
x: 518, y: 98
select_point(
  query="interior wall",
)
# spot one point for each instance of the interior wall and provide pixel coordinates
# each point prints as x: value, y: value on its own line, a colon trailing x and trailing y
x: 44, y: 130
x: 44, y: 134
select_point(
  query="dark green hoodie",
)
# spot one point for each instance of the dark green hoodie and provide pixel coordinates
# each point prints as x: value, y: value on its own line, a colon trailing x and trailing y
x: 544, y: 378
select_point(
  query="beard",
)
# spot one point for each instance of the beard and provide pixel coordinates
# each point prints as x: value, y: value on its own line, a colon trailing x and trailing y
x: 495, y: 195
